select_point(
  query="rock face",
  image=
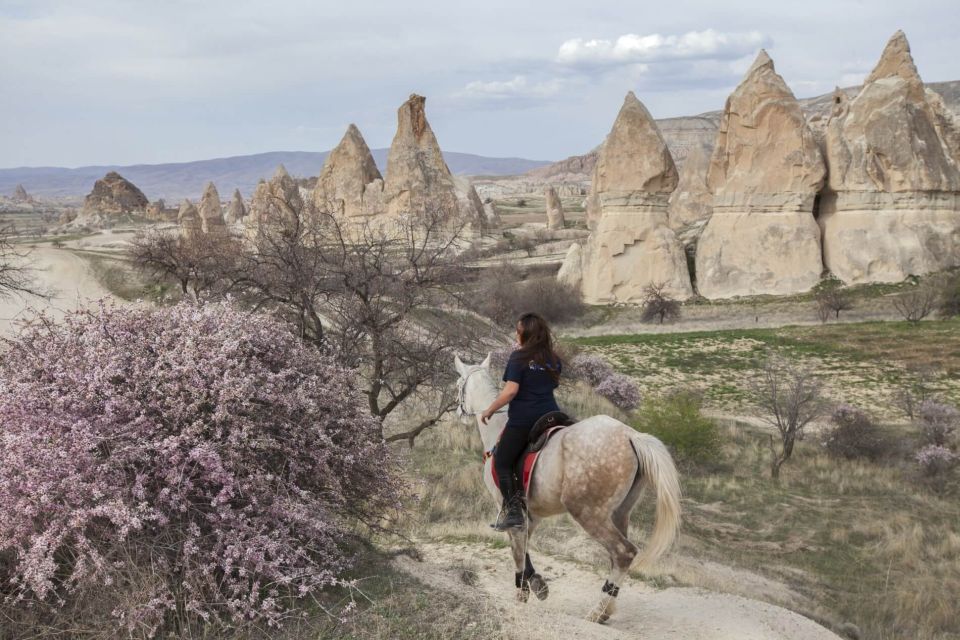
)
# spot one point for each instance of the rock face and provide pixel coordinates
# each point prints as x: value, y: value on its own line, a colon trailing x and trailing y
x: 20, y: 195
x: 114, y: 195
x: 274, y: 199
x: 350, y: 183
x: 491, y: 214
x: 892, y: 208
x: 692, y: 202
x: 189, y: 219
x: 765, y: 173
x: 555, y: 218
x: 211, y: 213
x: 237, y: 210
x: 571, y: 271
x: 631, y: 245
x: 470, y: 204
x: 417, y: 179
x: 155, y: 210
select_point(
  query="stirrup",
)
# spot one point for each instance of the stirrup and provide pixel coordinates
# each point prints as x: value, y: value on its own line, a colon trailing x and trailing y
x: 511, y: 516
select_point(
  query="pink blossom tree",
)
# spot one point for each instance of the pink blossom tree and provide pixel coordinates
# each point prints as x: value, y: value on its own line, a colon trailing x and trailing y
x: 208, y: 447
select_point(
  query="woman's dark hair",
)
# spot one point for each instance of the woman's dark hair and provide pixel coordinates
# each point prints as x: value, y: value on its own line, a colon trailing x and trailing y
x: 536, y: 344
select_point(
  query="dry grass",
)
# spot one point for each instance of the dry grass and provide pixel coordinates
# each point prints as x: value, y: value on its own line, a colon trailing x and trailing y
x: 842, y: 542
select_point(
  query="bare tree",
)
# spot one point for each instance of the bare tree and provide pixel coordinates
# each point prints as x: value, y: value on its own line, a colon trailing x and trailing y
x: 791, y: 398
x: 16, y: 276
x: 658, y: 305
x: 918, y: 303
x: 196, y: 262
x: 383, y: 294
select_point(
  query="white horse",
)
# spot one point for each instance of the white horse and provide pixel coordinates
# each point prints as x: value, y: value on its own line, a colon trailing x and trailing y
x: 594, y: 470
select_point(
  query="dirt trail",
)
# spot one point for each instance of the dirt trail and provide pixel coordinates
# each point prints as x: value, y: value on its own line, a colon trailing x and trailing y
x: 643, y: 612
x: 63, y: 274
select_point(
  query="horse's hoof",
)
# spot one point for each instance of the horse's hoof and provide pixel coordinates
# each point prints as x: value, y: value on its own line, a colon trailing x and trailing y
x: 523, y: 594
x: 601, y: 613
x: 539, y: 586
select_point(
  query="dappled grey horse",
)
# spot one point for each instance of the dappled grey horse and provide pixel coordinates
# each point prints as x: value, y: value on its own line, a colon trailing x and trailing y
x: 595, y: 470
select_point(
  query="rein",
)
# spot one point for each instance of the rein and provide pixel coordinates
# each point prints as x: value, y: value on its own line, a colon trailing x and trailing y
x: 461, y: 398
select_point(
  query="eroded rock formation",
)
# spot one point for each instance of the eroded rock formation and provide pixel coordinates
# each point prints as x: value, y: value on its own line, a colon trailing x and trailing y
x: 275, y: 199
x: 418, y: 179
x: 692, y: 202
x: 189, y: 219
x: 350, y: 183
x: 114, y: 195
x: 631, y: 245
x: 211, y: 213
x: 20, y: 195
x: 237, y: 210
x: 892, y: 208
x: 555, y: 218
x: 764, y: 174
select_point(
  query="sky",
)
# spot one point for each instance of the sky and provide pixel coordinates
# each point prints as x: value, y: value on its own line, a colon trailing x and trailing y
x: 122, y: 82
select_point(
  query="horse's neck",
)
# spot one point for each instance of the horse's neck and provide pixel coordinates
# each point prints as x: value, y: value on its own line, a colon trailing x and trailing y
x: 490, y: 432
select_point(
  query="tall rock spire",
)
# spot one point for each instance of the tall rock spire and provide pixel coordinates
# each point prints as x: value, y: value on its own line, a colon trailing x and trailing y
x: 350, y: 183
x: 631, y: 245
x: 893, y: 204
x: 765, y: 172
x: 417, y: 179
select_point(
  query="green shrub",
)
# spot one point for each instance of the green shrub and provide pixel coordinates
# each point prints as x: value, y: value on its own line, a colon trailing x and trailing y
x: 676, y: 420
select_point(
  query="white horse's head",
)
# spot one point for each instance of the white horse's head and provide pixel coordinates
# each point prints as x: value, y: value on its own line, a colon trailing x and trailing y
x: 474, y: 379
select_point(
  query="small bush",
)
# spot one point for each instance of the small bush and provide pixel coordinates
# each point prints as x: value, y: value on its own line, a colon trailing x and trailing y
x: 590, y: 368
x: 503, y: 297
x: 621, y: 390
x: 180, y: 467
x: 677, y: 421
x: 918, y: 303
x: 854, y: 435
x: 936, y: 465
x: 938, y: 422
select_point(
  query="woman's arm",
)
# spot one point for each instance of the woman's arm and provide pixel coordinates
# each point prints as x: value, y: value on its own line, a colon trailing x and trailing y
x: 509, y: 391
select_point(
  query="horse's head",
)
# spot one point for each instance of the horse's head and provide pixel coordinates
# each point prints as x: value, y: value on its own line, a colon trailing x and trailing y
x: 473, y: 378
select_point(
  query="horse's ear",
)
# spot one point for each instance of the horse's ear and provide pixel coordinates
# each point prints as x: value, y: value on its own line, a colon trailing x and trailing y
x: 458, y: 363
x: 486, y: 363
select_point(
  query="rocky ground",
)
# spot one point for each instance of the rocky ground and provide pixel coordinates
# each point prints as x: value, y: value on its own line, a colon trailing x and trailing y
x: 484, y: 573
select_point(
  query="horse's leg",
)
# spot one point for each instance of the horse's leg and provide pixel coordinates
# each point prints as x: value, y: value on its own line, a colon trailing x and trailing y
x: 523, y: 569
x: 535, y: 582
x: 621, y: 517
x: 600, y: 526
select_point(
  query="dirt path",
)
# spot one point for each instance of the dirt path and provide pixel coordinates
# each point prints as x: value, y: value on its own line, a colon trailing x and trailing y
x: 63, y: 274
x: 643, y: 612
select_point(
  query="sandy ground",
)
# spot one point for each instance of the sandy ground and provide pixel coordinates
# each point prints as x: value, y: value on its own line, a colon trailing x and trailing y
x: 643, y: 612
x: 63, y: 274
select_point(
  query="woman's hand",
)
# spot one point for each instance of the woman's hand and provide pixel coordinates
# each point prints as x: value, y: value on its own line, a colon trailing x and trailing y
x: 486, y: 415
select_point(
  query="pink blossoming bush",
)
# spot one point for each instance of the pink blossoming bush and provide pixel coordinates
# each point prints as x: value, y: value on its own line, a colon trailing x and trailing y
x: 206, y: 445
x: 621, y: 390
x: 591, y: 369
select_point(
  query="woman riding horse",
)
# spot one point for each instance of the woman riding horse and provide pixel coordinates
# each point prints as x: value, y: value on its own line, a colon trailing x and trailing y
x: 531, y: 375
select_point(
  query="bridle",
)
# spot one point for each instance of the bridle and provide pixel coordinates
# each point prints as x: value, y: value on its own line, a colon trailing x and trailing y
x: 461, y: 397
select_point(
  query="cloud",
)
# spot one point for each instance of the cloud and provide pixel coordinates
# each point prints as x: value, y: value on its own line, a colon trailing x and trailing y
x: 630, y: 49
x: 517, y: 91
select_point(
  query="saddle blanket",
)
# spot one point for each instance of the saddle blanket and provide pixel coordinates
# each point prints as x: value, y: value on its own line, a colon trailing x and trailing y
x: 529, y: 462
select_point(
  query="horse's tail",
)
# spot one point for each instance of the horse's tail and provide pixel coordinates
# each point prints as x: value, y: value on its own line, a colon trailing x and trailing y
x: 658, y: 470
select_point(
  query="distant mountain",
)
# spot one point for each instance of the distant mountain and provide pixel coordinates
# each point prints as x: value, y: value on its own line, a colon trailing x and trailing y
x: 179, y: 180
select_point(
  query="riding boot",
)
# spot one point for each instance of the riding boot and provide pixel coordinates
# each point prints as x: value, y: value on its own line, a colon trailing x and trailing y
x: 511, y: 515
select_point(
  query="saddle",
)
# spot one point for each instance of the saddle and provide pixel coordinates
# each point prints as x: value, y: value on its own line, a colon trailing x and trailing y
x: 540, y: 434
